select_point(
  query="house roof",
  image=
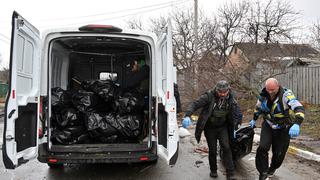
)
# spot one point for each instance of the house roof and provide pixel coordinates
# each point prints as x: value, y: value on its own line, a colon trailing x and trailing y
x: 262, y: 50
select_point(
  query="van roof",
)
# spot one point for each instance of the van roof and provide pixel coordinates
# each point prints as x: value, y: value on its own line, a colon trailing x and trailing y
x: 76, y: 29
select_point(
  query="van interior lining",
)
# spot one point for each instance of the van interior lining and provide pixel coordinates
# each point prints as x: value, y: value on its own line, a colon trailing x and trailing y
x: 100, y: 89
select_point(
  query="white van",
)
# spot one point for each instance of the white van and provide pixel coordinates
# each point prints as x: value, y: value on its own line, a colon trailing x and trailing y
x: 63, y: 59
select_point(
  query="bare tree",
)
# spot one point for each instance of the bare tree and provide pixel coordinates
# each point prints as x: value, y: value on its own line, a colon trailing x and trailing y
x: 135, y: 23
x: 158, y: 24
x: 253, y: 24
x: 279, y: 18
x: 270, y: 21
x: 187, y: 56
x: 184, y: 38
x: 315, y: 35
x: 230, y: 17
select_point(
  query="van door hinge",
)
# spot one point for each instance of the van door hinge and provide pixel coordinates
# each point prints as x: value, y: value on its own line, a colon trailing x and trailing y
x: 20, y: 23
x: 9, y: 137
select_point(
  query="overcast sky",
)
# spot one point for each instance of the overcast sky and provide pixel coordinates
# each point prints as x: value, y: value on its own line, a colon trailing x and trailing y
x: 43, y: 14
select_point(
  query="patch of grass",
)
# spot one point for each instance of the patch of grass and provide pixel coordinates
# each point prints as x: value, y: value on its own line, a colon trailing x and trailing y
x: 311, y: 124
x: 302, y: 146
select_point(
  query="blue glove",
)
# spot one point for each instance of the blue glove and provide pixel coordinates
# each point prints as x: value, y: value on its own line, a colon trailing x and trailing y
x: 186, y: 122
x: 252, y: 123
x: 294, y: 130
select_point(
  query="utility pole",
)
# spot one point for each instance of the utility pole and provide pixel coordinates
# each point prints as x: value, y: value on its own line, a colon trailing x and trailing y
x: 195, y: 64
x: 196, y: 24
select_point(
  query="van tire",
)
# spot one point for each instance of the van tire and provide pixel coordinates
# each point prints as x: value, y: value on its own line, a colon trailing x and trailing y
x: 55, y: 165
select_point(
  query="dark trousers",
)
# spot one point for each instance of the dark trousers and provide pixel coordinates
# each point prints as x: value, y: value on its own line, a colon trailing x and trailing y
x: 221, y: 134
x: 279, y: 139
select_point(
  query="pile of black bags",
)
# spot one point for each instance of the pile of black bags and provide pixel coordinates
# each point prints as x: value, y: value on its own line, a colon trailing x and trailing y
x: 99, y: 112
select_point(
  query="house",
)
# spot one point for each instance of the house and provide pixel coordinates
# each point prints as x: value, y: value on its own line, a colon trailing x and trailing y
x: 284, y: 53
x: 256, y: 62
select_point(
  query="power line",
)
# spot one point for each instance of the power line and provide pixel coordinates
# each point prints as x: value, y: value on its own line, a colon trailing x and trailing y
x: 113, y: 12
x: 4, y: 40
x: 116, y: 17
x: 4, y: 36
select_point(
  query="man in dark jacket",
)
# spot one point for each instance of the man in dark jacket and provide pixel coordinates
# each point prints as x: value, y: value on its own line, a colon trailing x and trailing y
x: 220, y: 113
x: 177, y: 96
x: 282, y: 114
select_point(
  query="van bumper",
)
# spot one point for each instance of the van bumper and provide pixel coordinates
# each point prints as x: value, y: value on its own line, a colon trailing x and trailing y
x: 106, y: 157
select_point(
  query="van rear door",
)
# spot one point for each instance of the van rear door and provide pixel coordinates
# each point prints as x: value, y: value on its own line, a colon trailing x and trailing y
x: 20, y: 142
x: 168, y: 138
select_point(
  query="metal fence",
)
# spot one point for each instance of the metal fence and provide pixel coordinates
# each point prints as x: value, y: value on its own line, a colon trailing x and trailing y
x: 304, y: 82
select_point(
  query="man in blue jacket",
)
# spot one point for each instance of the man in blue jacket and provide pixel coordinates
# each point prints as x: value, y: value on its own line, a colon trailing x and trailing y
x: 282, y: 114
x: 219, y: 116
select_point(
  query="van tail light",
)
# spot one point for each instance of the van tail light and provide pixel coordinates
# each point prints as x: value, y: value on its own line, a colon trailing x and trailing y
x: 13, y: 94
x: 52, y: 160
x: 144, y: 158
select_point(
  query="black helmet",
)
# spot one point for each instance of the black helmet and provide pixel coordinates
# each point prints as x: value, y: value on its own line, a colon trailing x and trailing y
x: 222, y: 86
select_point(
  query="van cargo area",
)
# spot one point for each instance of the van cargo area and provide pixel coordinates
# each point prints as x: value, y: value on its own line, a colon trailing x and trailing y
x: 99, y: 94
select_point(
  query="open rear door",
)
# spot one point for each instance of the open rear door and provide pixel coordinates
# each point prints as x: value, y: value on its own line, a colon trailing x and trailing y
x: 20, y: 142
x: 168, y: 139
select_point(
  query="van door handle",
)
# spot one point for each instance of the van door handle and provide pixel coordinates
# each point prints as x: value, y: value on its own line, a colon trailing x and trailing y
x: 10, y: 114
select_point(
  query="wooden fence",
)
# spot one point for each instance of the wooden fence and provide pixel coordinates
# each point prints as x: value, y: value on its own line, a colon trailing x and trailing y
x: 304, y: 82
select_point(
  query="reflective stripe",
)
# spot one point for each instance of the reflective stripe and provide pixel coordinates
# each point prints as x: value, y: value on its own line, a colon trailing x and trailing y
x: 290, y: 97
x: 274, y: 107
x: 278, y: 115
x: 300, y: 114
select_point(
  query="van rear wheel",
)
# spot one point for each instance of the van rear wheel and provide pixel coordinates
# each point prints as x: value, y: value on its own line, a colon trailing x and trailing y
x: 55, y: 165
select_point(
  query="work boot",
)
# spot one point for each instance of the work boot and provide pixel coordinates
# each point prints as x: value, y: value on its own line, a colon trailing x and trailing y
x: 213, y: 174
x: 231, y: 176
x: 263, y: 176
x: 271, y: 172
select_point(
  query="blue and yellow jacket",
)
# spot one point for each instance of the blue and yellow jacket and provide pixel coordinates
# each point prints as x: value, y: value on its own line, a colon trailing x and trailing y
x: 283, y: 111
